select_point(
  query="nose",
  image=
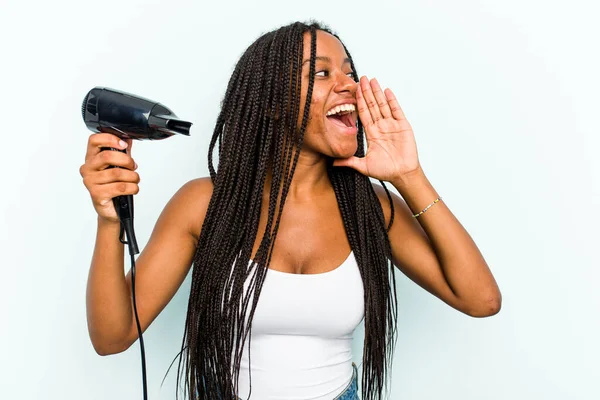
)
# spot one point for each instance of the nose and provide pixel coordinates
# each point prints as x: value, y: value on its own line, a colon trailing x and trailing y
x: 346, y: 84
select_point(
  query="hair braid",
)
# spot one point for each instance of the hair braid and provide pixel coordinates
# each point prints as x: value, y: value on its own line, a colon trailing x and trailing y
x: 257, y: 132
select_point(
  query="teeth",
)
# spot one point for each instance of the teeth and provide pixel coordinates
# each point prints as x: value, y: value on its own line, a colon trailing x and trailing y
x: 341, y: 108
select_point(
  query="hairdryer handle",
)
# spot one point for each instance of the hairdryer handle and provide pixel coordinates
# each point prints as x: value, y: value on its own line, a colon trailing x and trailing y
x: 124, y: 208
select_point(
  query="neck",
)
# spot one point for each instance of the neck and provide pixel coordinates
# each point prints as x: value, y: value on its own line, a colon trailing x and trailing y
x: 310, y: 178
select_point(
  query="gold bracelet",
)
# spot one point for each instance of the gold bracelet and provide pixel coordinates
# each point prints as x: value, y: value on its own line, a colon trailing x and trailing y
x: 427, y: 208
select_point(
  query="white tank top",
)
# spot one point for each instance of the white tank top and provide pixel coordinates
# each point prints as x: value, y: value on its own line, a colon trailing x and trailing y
x: 302, y: 334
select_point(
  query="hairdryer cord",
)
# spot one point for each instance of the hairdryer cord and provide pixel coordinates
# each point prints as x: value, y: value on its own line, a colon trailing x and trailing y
x: 127, y: 224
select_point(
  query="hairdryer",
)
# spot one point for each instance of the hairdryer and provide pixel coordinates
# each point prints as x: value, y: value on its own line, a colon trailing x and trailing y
x: 129, y: 117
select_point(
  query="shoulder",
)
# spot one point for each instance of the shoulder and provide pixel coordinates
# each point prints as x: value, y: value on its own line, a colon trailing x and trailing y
x: 400, y: 206
x: 190, y: 203
x: 196, y: 190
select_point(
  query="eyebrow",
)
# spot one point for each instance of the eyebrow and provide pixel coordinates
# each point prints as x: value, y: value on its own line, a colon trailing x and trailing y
x: 327, y: 59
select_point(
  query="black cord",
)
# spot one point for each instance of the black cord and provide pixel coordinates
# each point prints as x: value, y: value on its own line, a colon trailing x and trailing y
x: 139, y: 329
x: 124, y: 208
x: 127, y: 226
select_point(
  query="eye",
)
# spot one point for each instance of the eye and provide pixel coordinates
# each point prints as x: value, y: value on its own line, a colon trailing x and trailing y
x: 323, y: 73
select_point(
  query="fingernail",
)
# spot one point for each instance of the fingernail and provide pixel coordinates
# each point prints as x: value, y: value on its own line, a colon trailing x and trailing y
x: 122, y: 143
x: 135, y: 164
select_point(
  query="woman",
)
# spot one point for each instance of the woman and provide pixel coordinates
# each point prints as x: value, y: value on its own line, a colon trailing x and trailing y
x: 290, y: 133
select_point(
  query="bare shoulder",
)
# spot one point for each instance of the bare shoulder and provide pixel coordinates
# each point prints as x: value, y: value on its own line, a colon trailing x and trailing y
x: 197, y: 190
x: 190, y: 203
x: 402, y: 212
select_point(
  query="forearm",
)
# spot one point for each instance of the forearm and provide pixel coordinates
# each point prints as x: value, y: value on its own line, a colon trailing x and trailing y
x: 464, y: 268
x: 109, y: 312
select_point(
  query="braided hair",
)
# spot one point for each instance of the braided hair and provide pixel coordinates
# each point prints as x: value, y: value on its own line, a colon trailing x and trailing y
x: 259, y: 129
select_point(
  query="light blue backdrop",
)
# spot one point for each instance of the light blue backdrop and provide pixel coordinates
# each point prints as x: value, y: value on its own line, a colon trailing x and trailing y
x: 503, y: 99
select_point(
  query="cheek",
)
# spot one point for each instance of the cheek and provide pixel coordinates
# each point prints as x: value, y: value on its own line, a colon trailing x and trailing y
x: 316, y: 117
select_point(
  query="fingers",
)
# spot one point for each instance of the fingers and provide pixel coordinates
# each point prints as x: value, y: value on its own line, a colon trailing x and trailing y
x: 375, y: 103
x: 395, y: 108
x: 107, y: 158
x: 98, y: 140
x: 100, y: 180
x: 374, y: 99
x: 111, y: 175
x: 369, y: 99
x: 129, y: 144
x: 104, y: 183
x: 102, y: 194
x: 380, y: 99
x: 361, y: 104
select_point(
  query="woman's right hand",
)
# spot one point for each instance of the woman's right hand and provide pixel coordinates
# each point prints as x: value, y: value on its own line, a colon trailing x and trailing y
x: 104, y: 183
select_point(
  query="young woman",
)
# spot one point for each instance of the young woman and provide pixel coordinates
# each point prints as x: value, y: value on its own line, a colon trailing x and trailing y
x: 292, y: 218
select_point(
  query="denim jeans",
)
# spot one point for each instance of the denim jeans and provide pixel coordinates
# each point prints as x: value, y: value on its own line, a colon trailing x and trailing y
x: 351, y: 391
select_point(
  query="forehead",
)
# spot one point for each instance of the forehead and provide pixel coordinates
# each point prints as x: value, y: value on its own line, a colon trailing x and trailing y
x: 327, y: 46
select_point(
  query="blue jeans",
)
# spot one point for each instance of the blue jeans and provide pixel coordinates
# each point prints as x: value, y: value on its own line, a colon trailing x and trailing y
x: 351, y: 391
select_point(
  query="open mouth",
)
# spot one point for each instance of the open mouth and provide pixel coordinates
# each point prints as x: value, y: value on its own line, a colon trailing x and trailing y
x: 344, y: 121
x: 342, y: 116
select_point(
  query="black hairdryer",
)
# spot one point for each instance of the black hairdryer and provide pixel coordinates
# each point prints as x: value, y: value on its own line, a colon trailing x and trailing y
x: 129, y: 117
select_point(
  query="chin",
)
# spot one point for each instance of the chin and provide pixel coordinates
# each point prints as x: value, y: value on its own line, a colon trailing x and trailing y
x: 331, y: 144
x: 345, y: 150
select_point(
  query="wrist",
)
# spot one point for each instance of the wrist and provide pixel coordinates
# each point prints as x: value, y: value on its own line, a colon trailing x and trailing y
x: 108, y: 223
x: 412, y: 178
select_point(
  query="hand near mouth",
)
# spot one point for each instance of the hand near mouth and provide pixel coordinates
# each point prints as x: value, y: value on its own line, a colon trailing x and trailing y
x: 391, y: 148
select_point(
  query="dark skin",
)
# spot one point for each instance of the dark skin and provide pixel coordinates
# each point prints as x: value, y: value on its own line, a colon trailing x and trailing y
x: 434, y: 250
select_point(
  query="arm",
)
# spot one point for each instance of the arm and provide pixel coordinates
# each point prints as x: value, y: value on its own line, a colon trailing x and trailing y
x: 435, y: 251
x: 160, y: 269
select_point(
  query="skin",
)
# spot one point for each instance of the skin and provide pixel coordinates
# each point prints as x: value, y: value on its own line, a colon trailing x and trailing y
x: 433, y: 250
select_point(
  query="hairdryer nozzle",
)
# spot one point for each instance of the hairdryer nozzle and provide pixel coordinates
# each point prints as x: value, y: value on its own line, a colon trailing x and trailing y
x: 129, y: 116
x: 165, y: 123
x: 180, y: 126
x: 163, y: 120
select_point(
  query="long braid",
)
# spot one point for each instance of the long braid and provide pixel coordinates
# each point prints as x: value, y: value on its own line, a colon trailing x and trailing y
x: 257, y: 132
x: 370, y: 221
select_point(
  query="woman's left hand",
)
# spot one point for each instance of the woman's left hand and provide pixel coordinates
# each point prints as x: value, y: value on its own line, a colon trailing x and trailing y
x: 391, y: 148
